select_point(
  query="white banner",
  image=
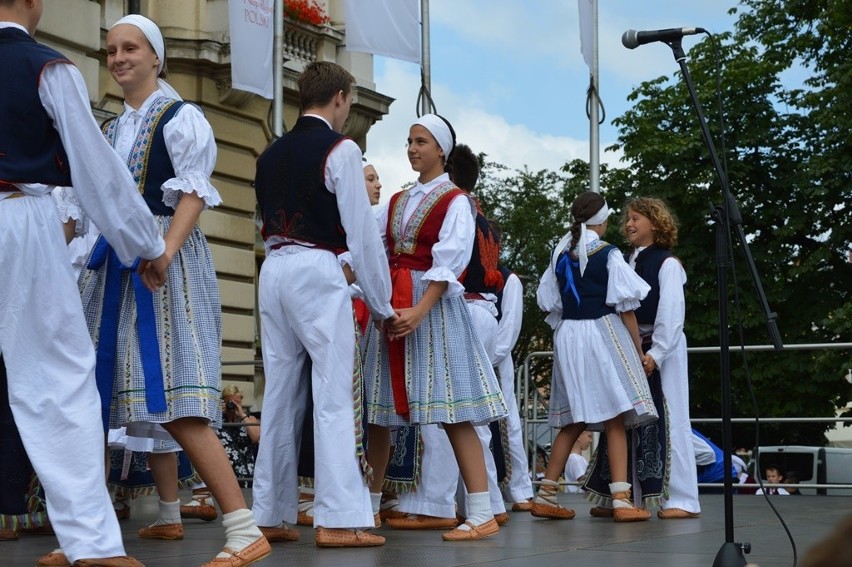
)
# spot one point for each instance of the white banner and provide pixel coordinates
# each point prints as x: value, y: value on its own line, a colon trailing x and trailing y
x: 384, y: 27
x: 587, y: 31
x: 252, y: 27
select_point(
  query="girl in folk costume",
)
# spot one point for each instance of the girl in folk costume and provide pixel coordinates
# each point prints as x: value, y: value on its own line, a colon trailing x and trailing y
x: 158, y: 361
x: 428, y: 366
x: 590, y: 293
x: 651, y: 229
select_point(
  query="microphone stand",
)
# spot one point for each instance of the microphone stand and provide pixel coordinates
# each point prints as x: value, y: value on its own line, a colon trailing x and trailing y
x: 724, y: 215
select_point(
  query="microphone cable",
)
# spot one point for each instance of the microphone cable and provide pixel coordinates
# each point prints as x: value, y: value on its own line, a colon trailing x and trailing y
x: 738, y: 305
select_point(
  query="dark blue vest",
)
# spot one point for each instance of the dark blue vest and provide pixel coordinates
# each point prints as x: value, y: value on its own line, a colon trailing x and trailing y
x: 30, y: 148
x: 648, y: 264
x: 157, y: 167
x: 505, y: 272
x: 482, y: 274
x: 290, y: 186
x: 591, y: 287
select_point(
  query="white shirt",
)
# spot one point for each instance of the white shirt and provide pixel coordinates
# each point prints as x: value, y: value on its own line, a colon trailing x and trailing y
x: 509, y: 325
x: 452, y: 253
x: 101, y: 181
x: 667, y: 330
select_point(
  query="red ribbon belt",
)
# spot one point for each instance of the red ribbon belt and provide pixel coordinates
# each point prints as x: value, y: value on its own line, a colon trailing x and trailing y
x: 402, y: 297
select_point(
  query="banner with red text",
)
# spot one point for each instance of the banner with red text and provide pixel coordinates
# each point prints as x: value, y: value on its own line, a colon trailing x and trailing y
x: 384, y: 27
x: 252, y: 27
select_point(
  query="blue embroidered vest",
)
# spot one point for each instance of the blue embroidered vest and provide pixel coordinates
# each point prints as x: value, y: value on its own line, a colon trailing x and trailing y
x: 30, y: 148
x: 149, y: 161
x: 482, y: 274
x: 591, y: 288
x: 648, y: 264
x: 290, y: 186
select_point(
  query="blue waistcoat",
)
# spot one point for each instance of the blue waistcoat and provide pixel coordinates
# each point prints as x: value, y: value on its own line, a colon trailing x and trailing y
x: 648, y: 264
x: 591, y: 287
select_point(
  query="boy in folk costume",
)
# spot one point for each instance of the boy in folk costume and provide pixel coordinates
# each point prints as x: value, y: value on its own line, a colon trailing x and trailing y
x: 48, y: 138
x: 428, y: 366
x: 310, y: 189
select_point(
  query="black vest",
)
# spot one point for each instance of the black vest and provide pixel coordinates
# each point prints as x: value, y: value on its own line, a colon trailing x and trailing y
x: 157, y: 167
x: 290, y: 186
x: 30, y: 148
x: 648, y: 264
x: 591, y: 287
x: 482, y: 274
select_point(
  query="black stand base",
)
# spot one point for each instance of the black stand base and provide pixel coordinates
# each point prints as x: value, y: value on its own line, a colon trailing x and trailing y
x: 731, y: 555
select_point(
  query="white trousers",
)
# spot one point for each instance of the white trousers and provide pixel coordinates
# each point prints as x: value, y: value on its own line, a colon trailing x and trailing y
x: 50, y: 363
x: 683, y: 480
x: 520, y: 485
x: 439, y: 474
x: 306, y: 311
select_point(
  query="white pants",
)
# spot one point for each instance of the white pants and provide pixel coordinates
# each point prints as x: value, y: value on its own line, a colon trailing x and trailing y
x: 520, y: 484
x: 50, y: 363
x: 439, y: 474
x: 683, y: 479
x: 306, y: 310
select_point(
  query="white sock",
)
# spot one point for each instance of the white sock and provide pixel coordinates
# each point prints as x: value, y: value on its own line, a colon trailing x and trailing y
x: 619, y: 487
x: 169, y: 513
x: 240, y: 530
x: 376, y: 501
x: 547, y: 492
x: 478, y: 509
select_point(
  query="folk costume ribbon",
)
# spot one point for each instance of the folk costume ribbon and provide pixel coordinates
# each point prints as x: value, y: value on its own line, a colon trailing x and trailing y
x: 146, y: 325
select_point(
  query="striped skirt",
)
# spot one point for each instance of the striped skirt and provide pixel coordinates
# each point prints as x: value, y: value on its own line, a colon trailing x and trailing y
x: 188, y: 315
x: 448, y: 377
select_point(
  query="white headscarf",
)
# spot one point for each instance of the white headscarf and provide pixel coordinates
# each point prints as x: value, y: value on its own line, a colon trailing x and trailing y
x: 155, y: 38
x: 439, y: 130
x: 598, y: 218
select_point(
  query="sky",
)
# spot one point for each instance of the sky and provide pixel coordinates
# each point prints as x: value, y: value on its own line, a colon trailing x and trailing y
x: 510, y: 77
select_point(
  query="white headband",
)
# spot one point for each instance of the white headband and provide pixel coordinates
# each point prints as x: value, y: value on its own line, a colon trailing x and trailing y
x: 152, y: 33
x: 598, y: 218
x: 439, y: 130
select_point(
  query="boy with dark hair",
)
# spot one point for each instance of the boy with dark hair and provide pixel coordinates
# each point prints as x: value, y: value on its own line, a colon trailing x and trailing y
x: 49, y: 138
x: 310, y: 189
x: 773, y: 475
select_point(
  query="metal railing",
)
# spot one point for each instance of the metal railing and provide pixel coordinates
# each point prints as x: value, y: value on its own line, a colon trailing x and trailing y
x: 533, y: 408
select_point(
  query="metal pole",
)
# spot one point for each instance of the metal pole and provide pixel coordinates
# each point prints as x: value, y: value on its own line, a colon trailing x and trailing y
x: 278, y: 71
x: 133, y: 6
x: 426, y: 65
x: 594, y: 103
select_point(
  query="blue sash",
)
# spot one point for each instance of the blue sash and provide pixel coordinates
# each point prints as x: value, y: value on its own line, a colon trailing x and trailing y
x: 146, y: 326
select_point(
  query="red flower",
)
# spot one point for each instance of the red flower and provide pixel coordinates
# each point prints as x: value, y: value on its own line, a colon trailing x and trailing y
x: 307, y: 11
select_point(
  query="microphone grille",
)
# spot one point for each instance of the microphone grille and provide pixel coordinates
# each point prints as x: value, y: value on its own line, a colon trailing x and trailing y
x: 630, y: 39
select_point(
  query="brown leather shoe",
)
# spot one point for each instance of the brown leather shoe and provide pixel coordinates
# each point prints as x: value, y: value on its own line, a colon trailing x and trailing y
x: 501, y: 519
x: 391, y: 513
x: 601, y: 512
x: 252, y: 553
x: 201, y: 511
x: 676, y: 514
x: 631, y: 514
x: 46, y: 529
x: 540, y: 510
x: 279, y: 533
x: 53, y: 559
x: 523, y: 506
x: 303, y: 519
x: 489, y: 528
x: 122, y: 513
x: 422, y: 522
x: 123, y: 561
x: 341, y: 537
x: 7, y: 534
x: 162, y: 531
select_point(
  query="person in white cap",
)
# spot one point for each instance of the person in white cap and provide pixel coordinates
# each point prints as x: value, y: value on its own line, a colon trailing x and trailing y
x: 49, y: 139
x: 158, y: 356
x: 589, y: 293
x: 428, y: 366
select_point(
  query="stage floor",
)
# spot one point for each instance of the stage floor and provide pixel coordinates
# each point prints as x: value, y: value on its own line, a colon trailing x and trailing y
x: 524, y: 542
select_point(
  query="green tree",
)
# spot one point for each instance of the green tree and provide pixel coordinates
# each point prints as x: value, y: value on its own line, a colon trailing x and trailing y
x: 796, y: 234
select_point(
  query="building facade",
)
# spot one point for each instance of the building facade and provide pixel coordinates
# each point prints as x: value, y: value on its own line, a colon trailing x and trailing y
x: 198, y: 55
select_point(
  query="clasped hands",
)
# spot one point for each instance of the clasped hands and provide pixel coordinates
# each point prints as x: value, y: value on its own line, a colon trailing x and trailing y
x: 403, y: 323
x: 154, y: 272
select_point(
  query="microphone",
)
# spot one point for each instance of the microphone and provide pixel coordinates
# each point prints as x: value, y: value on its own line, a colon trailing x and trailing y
x: 633, y: 39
